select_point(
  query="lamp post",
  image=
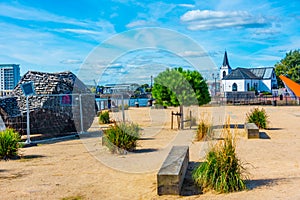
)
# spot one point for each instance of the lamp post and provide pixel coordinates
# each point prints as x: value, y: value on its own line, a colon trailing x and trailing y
x: 215, y: 77
x: 151, y: 82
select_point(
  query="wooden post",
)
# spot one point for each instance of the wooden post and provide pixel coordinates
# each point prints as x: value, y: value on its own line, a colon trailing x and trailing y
x: 190, y: 119
x: 172, y: 120
x: 181, y: 117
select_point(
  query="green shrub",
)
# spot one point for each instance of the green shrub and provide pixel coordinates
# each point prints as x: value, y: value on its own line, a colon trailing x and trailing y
x: 222, y: 170
x: 104, y: 118
x: 258, y: 117
x: 9, y: 143
x: 122, y: 136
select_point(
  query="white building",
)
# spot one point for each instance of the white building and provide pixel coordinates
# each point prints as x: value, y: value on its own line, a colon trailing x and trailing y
x: 247, y: 79
x: 9, y: 78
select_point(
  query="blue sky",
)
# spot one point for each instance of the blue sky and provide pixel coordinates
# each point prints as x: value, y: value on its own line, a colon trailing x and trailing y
x: 55, y: 35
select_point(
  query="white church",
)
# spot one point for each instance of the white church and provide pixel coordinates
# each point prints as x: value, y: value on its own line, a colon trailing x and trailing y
x: 247, y: 79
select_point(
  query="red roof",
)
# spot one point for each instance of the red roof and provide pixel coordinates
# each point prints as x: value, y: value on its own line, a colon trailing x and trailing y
x: 293, y: 86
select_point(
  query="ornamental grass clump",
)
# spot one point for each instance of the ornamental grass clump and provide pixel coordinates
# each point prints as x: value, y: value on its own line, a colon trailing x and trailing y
x: 104, y: 118
x: 9, y: 143
x: 121, y: 137
x: 258, y: 117
x: 222, y: 171
x: 204, y: 128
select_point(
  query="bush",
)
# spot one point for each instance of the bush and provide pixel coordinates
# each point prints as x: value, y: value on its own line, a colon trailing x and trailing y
x: 104, y: 118
x: 222, y: 170
x: 9, y: 143
x: 258, y: 117
x: 204, y: 128
x: 122, y: 136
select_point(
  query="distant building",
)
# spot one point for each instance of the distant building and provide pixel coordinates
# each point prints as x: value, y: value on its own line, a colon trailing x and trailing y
x: 9, y: 78
x: 247, y: 79
x: 120, y: 88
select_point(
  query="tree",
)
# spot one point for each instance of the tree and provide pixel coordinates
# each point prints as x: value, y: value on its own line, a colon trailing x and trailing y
x: 175, y: 87
x: 289, y: 66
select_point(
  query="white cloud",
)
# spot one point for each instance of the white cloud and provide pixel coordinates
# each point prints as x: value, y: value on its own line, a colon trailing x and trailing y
x: 28, y: 13
x: 38, y: 50
x: 270, y: 31
x: 137, y: 23
x: 17, y: 11
x: 79, y: 31
x: 71, y: 61
x: 208, y: 19
x: 186, y: 5
x: 198, y: 54
x: 206, y: 14
x: 193, y: 54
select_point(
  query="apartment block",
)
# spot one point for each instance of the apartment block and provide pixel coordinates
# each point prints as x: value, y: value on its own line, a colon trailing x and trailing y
x: 9, y: 78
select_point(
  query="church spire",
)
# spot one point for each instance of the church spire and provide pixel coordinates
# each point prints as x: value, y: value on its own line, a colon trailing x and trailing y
x: 225, y: 61
x: 225, y: 69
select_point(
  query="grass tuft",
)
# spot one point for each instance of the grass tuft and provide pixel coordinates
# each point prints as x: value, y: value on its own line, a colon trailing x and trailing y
x: 104, y: 117
x: 222, y: 171
x: 258, y: 117
x: 77, y: 197
x: 122, y: 136
x: 9, y: 143
x: 204, y: 128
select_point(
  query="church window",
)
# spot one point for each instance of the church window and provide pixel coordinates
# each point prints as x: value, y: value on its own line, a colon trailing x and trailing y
x: 234, y: 87
x: 224, y: 74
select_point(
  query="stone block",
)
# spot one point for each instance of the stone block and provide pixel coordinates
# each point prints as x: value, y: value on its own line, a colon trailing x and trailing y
x: 172, y: 172
x: 252, y: 130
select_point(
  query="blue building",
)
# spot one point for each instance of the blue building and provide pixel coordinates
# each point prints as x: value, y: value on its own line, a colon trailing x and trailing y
x: 9, y: 78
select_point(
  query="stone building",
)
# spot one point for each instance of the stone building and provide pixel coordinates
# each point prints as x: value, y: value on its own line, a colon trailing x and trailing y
x: 55, y: 104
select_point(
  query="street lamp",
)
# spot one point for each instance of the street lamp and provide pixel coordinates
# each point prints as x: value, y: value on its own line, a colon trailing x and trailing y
x: 151, y: 77
x: 215, y: 77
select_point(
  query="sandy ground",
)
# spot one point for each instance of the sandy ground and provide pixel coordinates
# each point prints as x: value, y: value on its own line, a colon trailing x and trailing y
x: 83, y: 168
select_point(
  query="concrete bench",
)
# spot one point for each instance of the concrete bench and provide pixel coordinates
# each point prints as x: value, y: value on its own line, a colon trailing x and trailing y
x: 252, y: 130
x: 172, y: 172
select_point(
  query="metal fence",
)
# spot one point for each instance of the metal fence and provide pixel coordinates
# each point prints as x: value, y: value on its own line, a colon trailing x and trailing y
x: 258, y: 100
x: 44, y: 116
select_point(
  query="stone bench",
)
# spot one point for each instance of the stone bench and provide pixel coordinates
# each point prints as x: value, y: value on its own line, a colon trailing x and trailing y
x: 172, y: 172
x: 252, y: 130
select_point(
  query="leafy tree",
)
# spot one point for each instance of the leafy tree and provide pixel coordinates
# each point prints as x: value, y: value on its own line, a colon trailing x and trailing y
x: 289, y: 66
x: 175, y: 87
x: 141, y: 90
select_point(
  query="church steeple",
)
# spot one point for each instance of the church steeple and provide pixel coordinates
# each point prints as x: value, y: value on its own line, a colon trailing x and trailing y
x: 225, y: 69
x: 225, y: 61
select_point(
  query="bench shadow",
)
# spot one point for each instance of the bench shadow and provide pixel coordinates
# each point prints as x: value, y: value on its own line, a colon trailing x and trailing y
x: 148, y: 150
x: 238, y: 126
x: 274, y: 129
x: 189, y: 187
x: 264, y: 135
x: 32, y: 156
x: 146, y: 138
x: 27, y: 157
